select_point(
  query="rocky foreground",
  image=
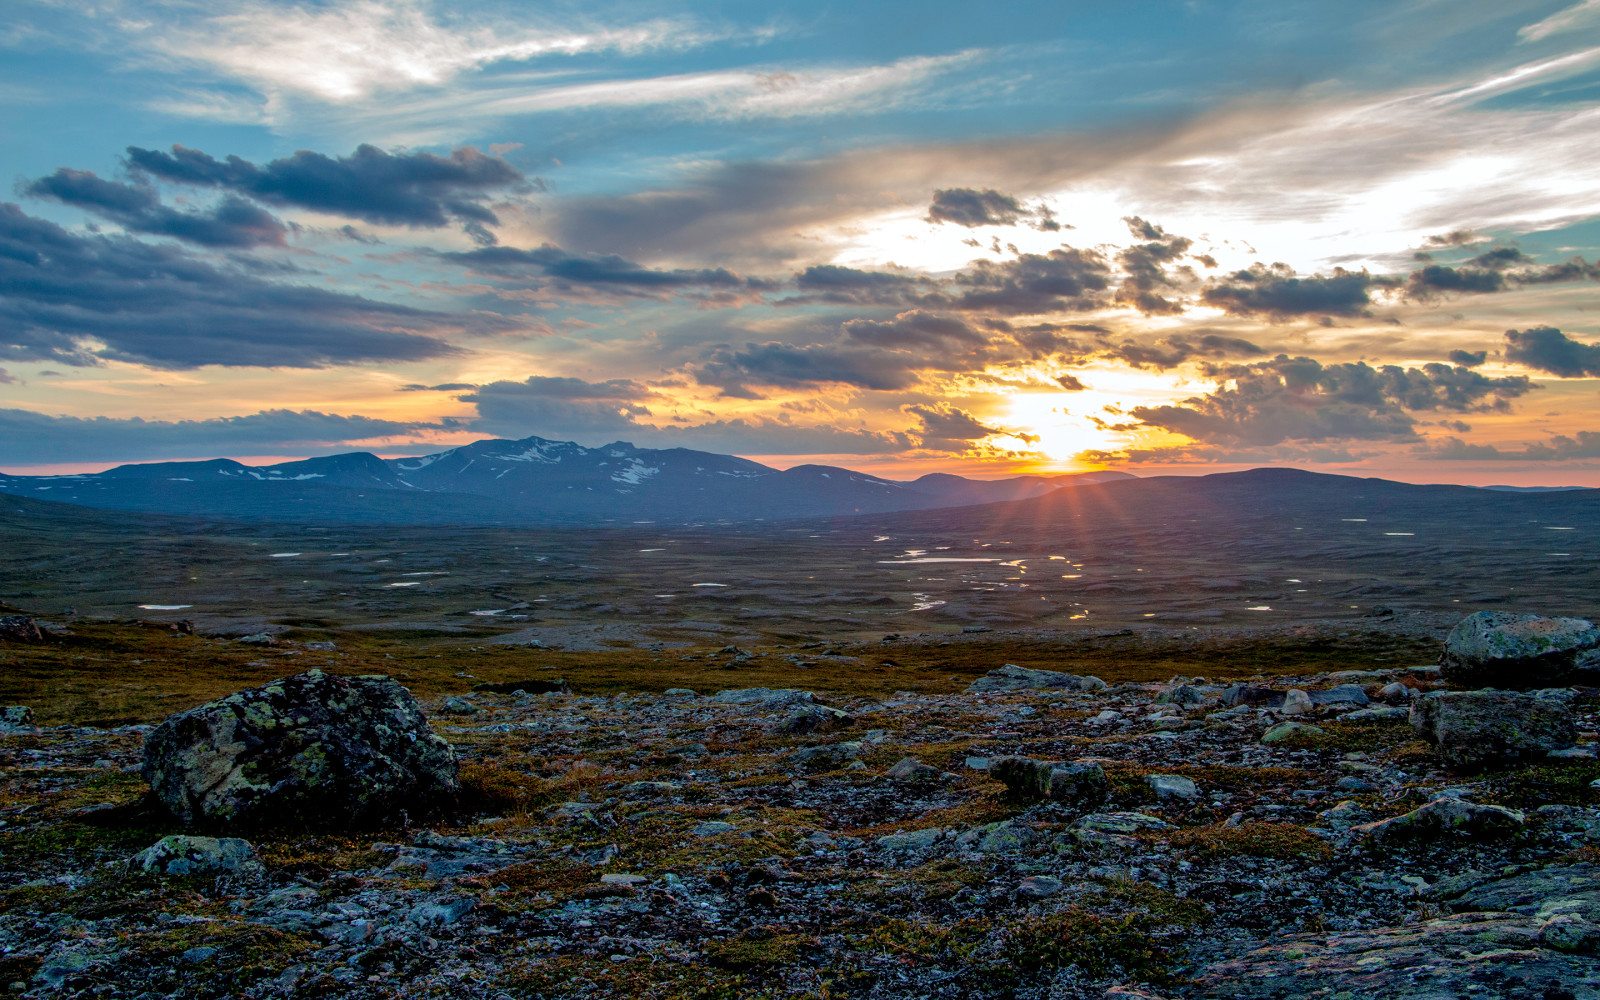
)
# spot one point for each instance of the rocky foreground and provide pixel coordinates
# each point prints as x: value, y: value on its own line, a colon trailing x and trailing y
x: 1356, y: 834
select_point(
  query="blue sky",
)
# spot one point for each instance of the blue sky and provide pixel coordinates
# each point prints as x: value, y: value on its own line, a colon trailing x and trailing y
x: 904, y: 237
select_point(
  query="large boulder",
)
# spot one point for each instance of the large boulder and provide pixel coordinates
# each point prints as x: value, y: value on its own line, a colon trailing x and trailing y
x: 1473, y: 727
x: 1014, y: 678
x: 1502, y: 649
x: 314, y: 749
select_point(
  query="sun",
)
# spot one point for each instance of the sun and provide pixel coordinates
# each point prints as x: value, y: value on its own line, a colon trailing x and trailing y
x: 1065, y: 423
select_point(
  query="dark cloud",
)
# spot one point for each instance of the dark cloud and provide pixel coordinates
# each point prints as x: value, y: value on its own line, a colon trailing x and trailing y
x: 82, y: 299
x: 1549, y: 350
x: 1457, y: 238
x: 1583, y: 444
x: 784, y: 365
x: 232, y: 223
x: 949, y: 428
x: 1071, y: 383
x: 849, y: 286
x: 1175, y: 350
x: 6, y: 378
x: 1302, y: 400
x: 1277, y: 292
x: 1495, y: 271
x: 36, y: 438
x: 1062, y: 280
x: 419, y: 190
x: 971, y: 208
x: 577, y: 272
x: 1146, y: 267
x: 1468, y: 359
x: 912, y: 329
x: 443, y: 387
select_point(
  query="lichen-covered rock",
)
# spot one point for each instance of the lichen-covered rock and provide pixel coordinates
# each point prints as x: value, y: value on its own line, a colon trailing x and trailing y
x: 1472, y: 727
x: 913, y: 770
x: 1172, y: 787
x: 1441, y: 818
x: 813, y: 718
x: 315, y: 749
x: 1025, y: 779
x: 1079, y: 782
x: 1284, y: 730
x: 15, y: 717
x: 1014, y: 678
x: 1506, y: 650
x: 185, y: 855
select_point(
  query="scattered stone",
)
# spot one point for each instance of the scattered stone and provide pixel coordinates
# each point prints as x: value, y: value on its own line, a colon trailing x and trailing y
x: 315, y: 748
x: 16, y: 717
x: 258, y: 639
x: 458, y: 706
x: 713, y: 828
x: 185, y: 855
x: 1395, y: 692
x: 678, y: 693
x: 1172, y: 787
x: 1379, y: 714
x: 1182, y: 694
x: 1014, y: 678
x: 1284, y: 730
x: 765, y: 697
x: 1472, y: 727
x: 911, y: 840
x: 827, y: 756
x: 1519, y: 651
x: 1444, y: 817
x: 1026, y: 779
x: 913, y: 770
x: 1254, y: 697
x: 20, y: 628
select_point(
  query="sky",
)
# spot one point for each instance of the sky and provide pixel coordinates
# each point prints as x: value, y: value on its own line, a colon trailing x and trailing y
x: 1165, y: 237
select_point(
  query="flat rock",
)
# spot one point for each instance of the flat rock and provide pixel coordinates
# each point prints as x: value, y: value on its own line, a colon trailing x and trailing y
x: 1441, y: 818
x: 1284, y: 730
x: 315, y: 749
x: 1519, y: 651
x: 186, y: 855
x: 1172, y: 787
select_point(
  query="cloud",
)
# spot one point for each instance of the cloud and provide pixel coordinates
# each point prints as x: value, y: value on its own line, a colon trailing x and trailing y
x: 37, y: 438
x: 1302, y: 400
x: 598, y: 412
x: 1549, y: 350
x: 1495, y: 271
x: 1568, y: 18
x: 1065, y: 279
x: 1145, y: 266
x: 949, y: 428
x: 784, y: 365
x: 349, y: 52
x: 847, y: 285
x: 971, y: 208
x: 1177, y: 349
x: 1561, y: 447
x: 1468, y: 359
x: 566, y: 270
x: 442, y: 387
x: 79, y: 300
x: 233, y: 223
x: 912, y: 330
x: 419, y: 190
x: 1071, y: 383
x: 1277, y: 292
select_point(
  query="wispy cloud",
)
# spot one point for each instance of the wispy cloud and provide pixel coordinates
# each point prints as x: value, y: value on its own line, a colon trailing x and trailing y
x: 1577, y: 16
x: 349, y: 52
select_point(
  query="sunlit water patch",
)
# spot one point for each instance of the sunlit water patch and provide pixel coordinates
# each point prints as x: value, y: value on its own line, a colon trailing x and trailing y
x: 165, y: 607
x: 709, y: 585
x: 408, y: 583
x: 284, y: 555
x: 923, y: 560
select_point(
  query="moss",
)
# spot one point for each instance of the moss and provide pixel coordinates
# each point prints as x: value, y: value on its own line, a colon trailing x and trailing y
x: 569, y: 976
x: 1553, y: 783
x: 1098, y: 945
x: 1262, y: 840
x: 758, y: 951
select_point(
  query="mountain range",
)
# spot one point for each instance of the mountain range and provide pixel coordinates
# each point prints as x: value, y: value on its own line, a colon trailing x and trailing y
x: 532, y: 480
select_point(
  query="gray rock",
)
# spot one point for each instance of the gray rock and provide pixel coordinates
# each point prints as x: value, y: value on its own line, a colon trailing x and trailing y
x: 1080, y: 782
x: 458, y: 706
x: 1284, y: 730
x: 441, y: 913
x: 1255, y: 697
x: 814, y: 718
x: 1172, y: 787
x: 1181, y: 694
x: 1506, y: 650
x: 1541, y: 892
x: 1004, y: 837
x: 1295, y: 702
x: 1344, y: 694
x: 16, y: 717
x: 826, y: 757
x: 911, y: 840
x: 1038, y: 887
x: 1570, y: 932
x: 713, y: 828
x: 1443, y: 817
x: 1025, y: 779
x: 765, y: 697
x: 1014, y: 678
x: 1342, y: 818
x: 678, y: 693
x: 1396, y: 692
x: 313, y: 749
x: 913, y: 770
x: 185, y: 855
x: 1381, y: 714
x: 1472, y: 727
x: 199, y: 954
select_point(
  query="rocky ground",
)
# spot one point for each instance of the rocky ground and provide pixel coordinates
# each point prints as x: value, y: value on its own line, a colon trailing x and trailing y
x: 774, y: 842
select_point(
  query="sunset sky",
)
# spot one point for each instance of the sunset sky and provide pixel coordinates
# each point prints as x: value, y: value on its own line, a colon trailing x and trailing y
x: 902, y: 237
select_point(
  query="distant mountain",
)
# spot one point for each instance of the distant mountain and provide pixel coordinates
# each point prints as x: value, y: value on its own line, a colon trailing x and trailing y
x: 528, y: 481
